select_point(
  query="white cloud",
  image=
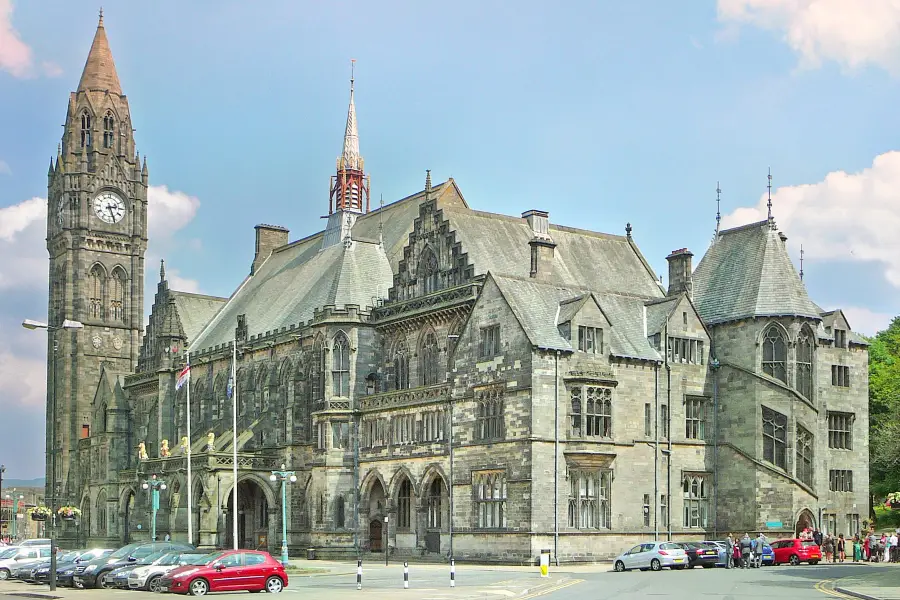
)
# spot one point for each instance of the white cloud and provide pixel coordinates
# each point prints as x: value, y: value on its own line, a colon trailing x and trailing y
x: 845, y: 217
x: 23, y: 371
x: 865, y: 321
x: 4, y: 168
x: 51, y: 69
x: 169, y: 211
x: 852, y: 33
x: 15, y: 55
x: 16, y: 218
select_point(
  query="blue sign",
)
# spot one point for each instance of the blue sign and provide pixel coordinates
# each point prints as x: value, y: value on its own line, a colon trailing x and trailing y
x: 774, y: 524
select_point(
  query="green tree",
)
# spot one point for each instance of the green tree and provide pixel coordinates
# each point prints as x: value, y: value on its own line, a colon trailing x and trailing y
x: 884, y: 410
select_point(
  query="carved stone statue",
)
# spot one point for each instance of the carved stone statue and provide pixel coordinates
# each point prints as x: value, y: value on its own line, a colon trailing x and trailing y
x: 142, y: 451
x: 210, y: 441
x: 184, y: 444
x: 164, y: 449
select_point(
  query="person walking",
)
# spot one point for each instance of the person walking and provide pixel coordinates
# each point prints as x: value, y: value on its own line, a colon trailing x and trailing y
x: 729, y: 551
x: 817, y: 537
x: 840, y: 548
x: 746, y: 551
x: 857, y: 549
x: 828, y: 548
x: 761, y: 542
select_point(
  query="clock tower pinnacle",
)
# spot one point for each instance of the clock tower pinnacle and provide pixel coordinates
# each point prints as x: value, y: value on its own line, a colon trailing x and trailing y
x: 96, y: 239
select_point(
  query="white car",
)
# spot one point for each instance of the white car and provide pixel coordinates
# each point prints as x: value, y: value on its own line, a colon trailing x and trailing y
x: 10, y: 558
x: 148, y: 576
x: 653, y: 556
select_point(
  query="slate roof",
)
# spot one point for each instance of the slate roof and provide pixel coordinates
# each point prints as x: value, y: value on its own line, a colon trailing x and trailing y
x: 747, y: 273
x: 658, y: 314
x: 195, y: 311
x: 536, y: 304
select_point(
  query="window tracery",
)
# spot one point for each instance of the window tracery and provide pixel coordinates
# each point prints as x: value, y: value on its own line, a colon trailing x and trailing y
x: 428, y: 356
x: 97, y: 287
x: 340, y: 366
x: 108, y: 129
x: 774, y: 360
x: 804, y: 364
x: 401, y: 366
x: 428, y: 272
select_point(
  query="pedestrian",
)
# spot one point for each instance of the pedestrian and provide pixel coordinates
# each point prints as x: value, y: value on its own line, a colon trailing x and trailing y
x: 729, y: 551
x: 857, y: 549
x: 761, y: 542
x: 828, y: 548
x: 817, y: 537
x: 866, y: 548
x: 893, y: 542
x: 840, y: 548
x: 736, y: 553
x: 746, y: 551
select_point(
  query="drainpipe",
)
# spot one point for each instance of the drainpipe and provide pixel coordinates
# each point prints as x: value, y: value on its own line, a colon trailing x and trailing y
x: 669, y: 426
x: 656, y: 454
x: 556, y: 460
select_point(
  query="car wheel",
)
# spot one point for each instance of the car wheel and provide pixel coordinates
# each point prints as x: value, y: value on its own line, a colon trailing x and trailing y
x: 655, y: 565
x: 153, y: 584
x: 274, y: 585
x: 105, y: 582
x: 199, y: 587
x: 620, y: 566
x: 795, y: 560
x: 4, y: 573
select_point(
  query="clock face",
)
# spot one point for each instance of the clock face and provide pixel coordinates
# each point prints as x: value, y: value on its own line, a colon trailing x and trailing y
x: 61, y: 211
x: 109, y: 207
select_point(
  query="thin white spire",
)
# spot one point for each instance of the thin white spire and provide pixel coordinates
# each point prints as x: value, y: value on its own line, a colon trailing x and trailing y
x: 350, y: 155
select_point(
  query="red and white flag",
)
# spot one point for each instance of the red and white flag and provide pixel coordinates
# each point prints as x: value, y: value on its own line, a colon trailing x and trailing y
x: 183, y: 377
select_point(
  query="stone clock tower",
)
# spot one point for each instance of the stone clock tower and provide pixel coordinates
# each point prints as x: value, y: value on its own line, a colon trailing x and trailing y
x: 96, y: 237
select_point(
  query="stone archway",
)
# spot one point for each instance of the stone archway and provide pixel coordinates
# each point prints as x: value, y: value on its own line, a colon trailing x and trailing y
x: 127, y: 516
x: 376, y: 509
x: 805, y: 520
x: 254, y: 517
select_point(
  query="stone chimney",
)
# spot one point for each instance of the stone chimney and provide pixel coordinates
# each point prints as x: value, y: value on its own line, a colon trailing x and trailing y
x: 542, y: 245
x: 268, y: 238
x: 680, y: 278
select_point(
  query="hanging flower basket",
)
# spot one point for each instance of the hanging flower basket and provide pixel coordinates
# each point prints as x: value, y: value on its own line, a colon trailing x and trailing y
x: 69, y: 513
x: 40, y: 513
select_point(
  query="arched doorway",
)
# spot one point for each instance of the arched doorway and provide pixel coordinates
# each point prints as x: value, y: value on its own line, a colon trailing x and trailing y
x: 253, y: 517
x: 376, y: 510
x: 128, y: 514
x: 375, y: 534
x: 805, y: 520
x: 437, y: 516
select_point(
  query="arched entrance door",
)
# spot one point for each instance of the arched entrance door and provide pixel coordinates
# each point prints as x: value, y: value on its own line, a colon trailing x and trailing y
x: 375, y: 533
x: 805, y: 521
x: 253, y: 517
x: 376, y: 506
x: 126, y: 521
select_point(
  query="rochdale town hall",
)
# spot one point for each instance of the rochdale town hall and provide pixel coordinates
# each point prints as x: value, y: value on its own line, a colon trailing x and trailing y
x: 441, y: 379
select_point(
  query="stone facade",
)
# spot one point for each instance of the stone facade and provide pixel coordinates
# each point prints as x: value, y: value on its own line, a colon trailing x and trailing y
x: 444, y: 380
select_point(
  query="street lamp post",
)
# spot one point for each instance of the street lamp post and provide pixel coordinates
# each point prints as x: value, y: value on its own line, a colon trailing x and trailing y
x: 51, y: 418
x: 154, y: 485
x: 284, y: 476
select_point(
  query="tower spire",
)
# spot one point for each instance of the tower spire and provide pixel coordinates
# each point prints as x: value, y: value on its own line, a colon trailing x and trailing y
x: 718, y: 208
x: 801, y: 262
x: 100, y: 69
x: 770, y: 196
x: 162, y: 269
x: 350, y: 183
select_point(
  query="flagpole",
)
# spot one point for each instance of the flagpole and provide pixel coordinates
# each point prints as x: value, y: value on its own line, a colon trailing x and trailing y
x: 234, y: 495
x: 190, y: 497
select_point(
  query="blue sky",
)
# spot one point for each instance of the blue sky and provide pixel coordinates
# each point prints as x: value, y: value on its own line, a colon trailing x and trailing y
x: 601, y: 112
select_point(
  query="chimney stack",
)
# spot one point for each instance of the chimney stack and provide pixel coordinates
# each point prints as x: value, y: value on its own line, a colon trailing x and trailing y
x: 680, y: 273
x: 268, y: 238
x: 542, y: 245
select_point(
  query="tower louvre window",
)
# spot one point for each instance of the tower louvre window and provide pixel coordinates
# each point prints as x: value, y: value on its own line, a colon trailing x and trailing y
x: 117, y: 295
x: 108, y: 130
x: 85, y: 130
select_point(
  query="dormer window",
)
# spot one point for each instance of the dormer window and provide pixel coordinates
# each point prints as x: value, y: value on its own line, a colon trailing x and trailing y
x: 590, y: 339
x: 840, y: 338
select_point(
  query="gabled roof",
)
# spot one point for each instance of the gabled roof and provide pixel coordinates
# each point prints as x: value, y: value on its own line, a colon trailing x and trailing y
x: 747, y: 273
x: 100, y: 69
x: 535, y: 305
x: 195, y: 311
x: 658, y: 314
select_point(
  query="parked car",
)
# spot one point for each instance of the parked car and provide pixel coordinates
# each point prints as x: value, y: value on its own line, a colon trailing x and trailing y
x: 230, y: 570
x: 653, y: 556
x: 35, y: 542
x: 703, y: 554
x: 148, y: 577
x: 91, y: 574
x: 768, y: 555
x: 65, y: 569
x: 796, y: 551
x: 13, y: 557
x: 26, y: 569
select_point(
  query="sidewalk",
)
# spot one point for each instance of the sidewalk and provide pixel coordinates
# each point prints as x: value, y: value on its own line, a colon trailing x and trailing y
x: 883, y: 584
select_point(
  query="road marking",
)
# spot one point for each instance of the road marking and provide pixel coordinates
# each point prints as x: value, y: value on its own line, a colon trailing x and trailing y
x: 826, y: 586
x: 550, y: 590
x: 498, y: 592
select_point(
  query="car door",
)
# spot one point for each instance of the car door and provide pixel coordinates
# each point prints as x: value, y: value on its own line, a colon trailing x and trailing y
x: 630, y: 557
x: 228, y: 576
x: 255, y: 571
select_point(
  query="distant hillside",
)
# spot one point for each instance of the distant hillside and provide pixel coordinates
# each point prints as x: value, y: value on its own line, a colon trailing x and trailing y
x: 11, y: 483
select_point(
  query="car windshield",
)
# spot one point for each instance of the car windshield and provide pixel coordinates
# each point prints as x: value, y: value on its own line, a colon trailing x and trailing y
x: 191, y: 559
x: 9, y: 552
x: 151, y: 559
x: 670, y: 546
x: 69, y: 556
x: 168, y: 558
x: 124, y: 551
x: 206, y: 558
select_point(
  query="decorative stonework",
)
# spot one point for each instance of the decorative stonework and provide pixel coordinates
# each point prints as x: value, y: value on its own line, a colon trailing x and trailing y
x: 406, y: 398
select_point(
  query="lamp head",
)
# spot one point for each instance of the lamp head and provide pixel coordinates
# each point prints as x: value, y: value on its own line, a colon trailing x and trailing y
x: 145, y: 485
x: 32, y: 324
x: 162, y: 486
x: 293, y: 479
x: 67, y: 324
x: 283, y: 467
x: 272, y: 477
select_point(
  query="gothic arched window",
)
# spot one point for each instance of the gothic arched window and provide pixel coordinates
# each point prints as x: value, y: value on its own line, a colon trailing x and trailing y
x: 101, y: 514
x: 404, y: 505
x: 435, y: 497
x: 85, y: 129
x: 804, y: 363
x: 428, y: 359
x: 96, y: 286
x: 117, y: 286
x: 428, y: 272
x: 401, y: 367
x: 315, y: 379
x: 340, y: 366
x: 108, y: 130
x: 774, y: 360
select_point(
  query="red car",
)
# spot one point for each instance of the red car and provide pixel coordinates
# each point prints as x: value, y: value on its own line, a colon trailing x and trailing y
x: 227, y: 571
x: 796, y: 551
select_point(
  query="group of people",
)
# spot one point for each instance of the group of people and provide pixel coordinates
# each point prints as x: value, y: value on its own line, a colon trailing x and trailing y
x: 745, y: 552
x: 868, y: 548
x: 881, y: 548
x: 834, y: 549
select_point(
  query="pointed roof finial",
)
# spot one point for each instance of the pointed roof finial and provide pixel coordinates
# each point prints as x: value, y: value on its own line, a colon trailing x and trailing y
x: 162, y: 269
x: 628, y: 230
x: 718, y: 208
x: 770, y: 194
x: 350, y: 158
x: 801, y: 262
x: 427, y: 183
x: 99, y: 68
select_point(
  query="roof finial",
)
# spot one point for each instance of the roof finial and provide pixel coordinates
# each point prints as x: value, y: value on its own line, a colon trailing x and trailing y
x: 100, y: 24
x: 801, y: 262
x: 427, y: 183
x: 352, y: 65
x: 162, y: 269
x: 718, y: 208
x: 628, y: 230
x: 770, y: 195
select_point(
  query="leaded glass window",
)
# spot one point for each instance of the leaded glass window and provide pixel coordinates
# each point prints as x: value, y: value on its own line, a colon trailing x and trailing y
x: 774, y: 437
x: 774, y: 361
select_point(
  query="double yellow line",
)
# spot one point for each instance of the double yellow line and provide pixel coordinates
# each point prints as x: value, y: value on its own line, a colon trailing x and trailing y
x: 826, y: 586
x: 552, y: 589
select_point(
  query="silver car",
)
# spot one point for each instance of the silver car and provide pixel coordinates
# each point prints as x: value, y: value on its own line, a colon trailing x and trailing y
x: 653, y: 556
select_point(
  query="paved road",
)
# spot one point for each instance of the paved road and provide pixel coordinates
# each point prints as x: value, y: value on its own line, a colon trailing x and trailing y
x: 431, y: 582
